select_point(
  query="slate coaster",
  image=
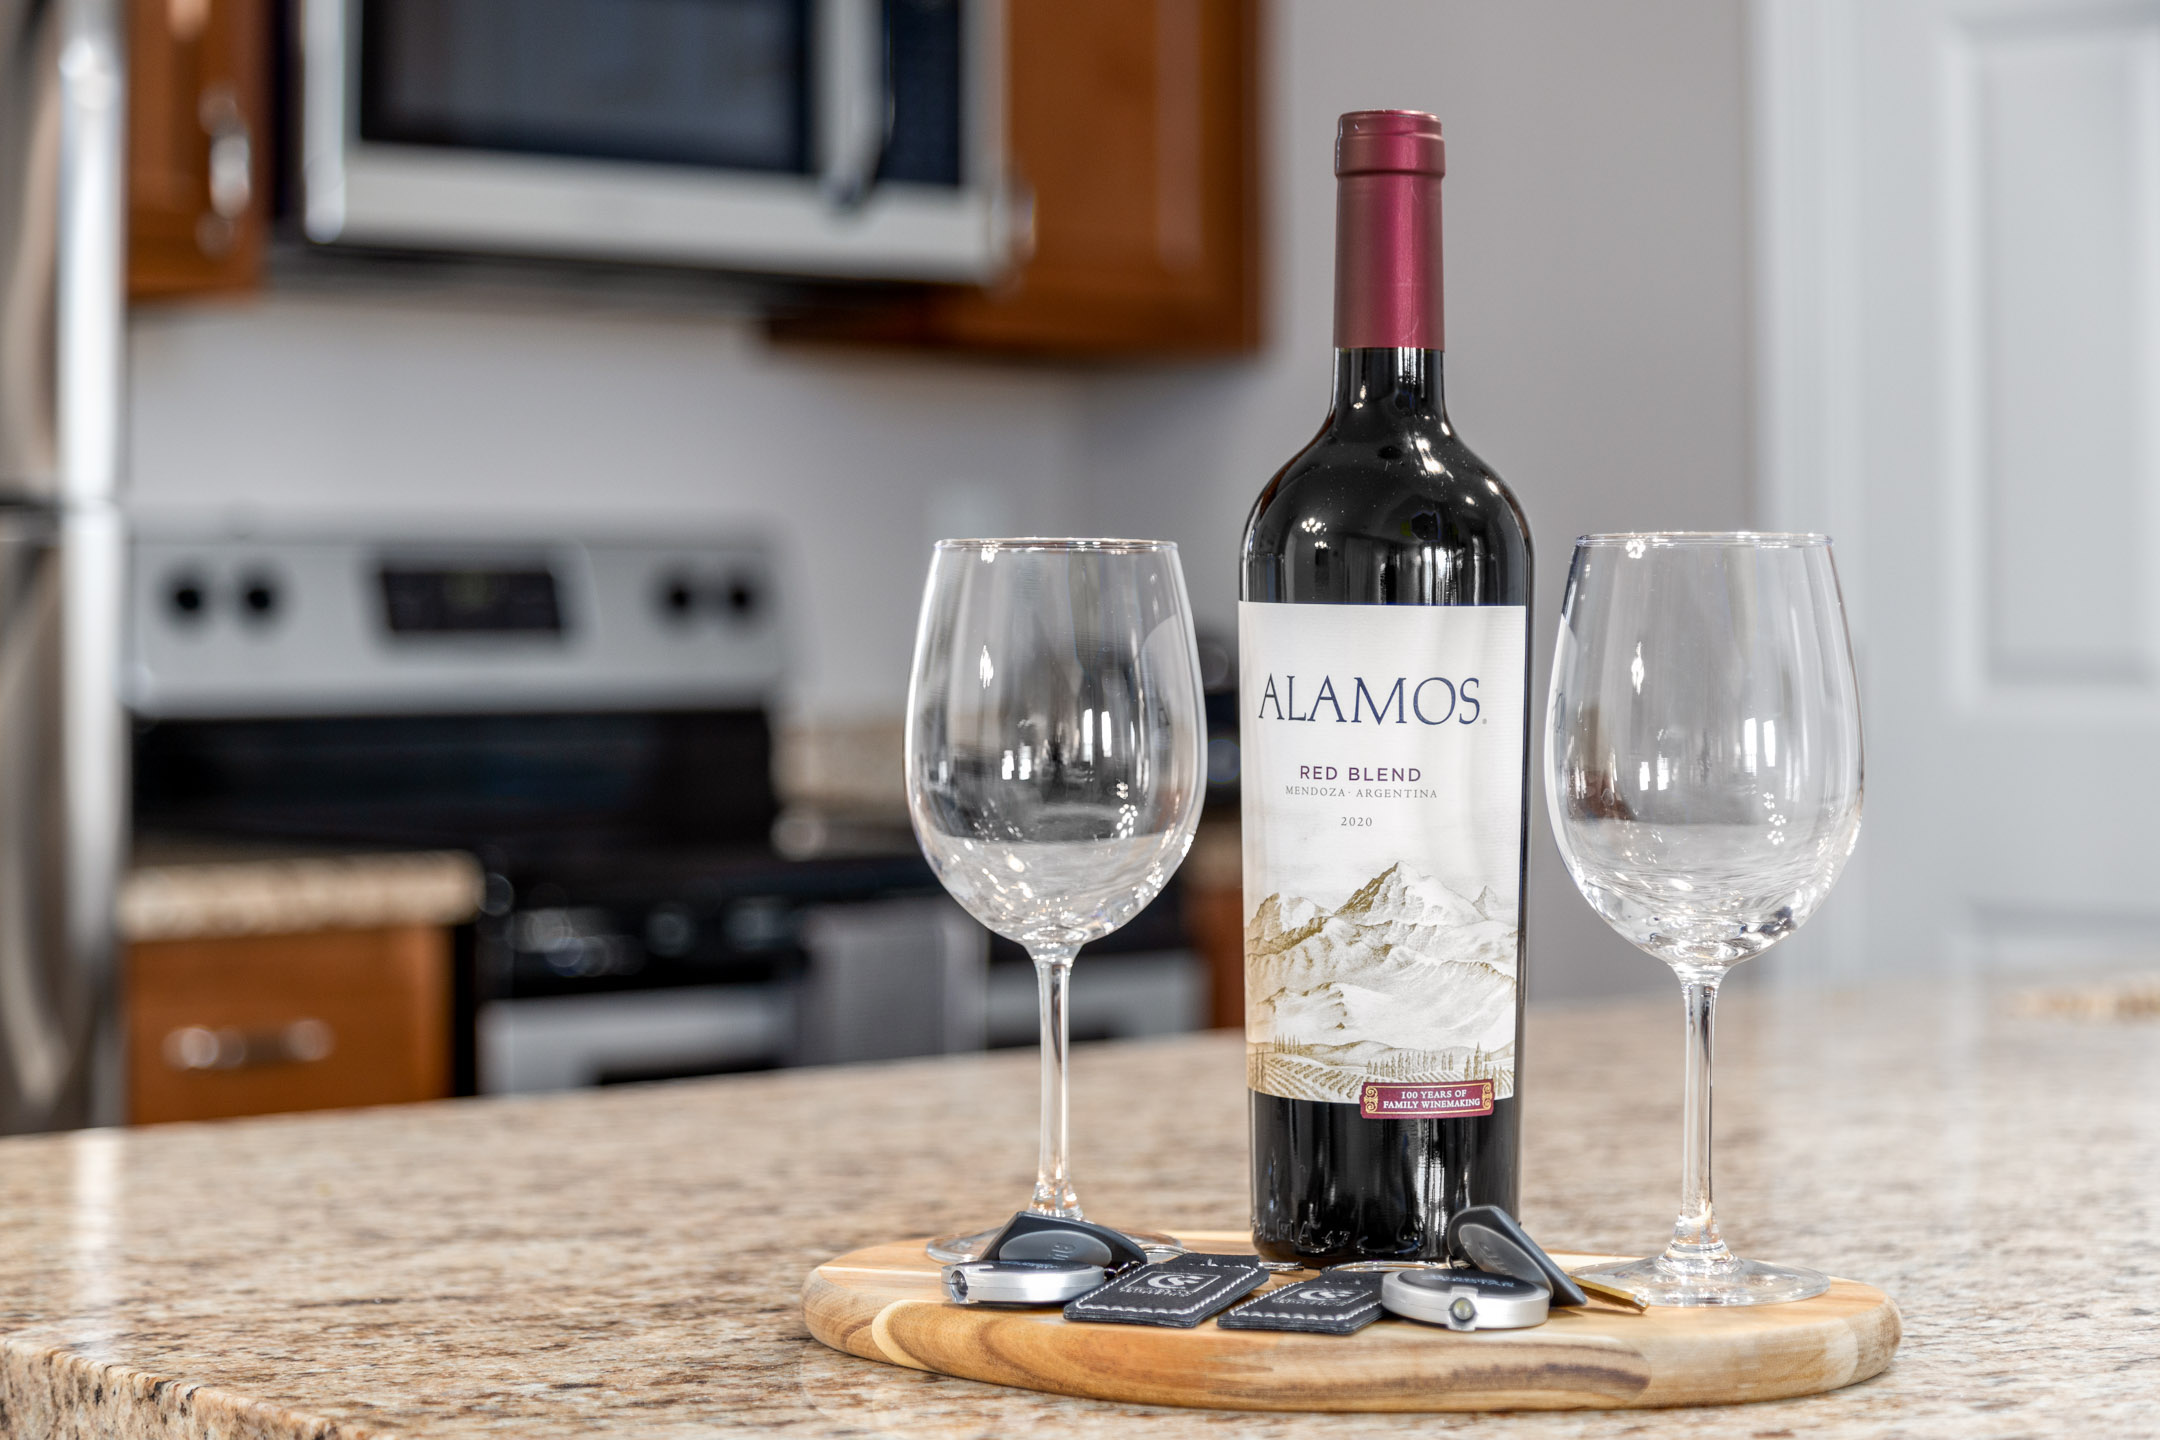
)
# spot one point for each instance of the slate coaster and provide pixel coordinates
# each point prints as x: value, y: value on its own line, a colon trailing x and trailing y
x: 1325, y: 1305
x: 1179, y: 1293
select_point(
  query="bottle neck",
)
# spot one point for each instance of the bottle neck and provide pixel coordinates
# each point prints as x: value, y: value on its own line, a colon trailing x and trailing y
x: 1389, y: 387
x: 1387, y: 262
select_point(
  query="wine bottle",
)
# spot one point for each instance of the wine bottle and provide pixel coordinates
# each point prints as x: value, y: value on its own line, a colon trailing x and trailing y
x: 1384, y: 674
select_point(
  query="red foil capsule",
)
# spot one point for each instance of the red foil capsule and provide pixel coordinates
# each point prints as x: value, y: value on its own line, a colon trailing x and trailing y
x: 1388, y: 165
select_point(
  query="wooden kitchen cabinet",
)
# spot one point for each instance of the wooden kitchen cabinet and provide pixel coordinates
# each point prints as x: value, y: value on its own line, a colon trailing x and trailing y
x: 256, y: 1024
x: 1211, y: 883
x: 1134, y: 126
x: 1132, y: 133
x: 198, y: 123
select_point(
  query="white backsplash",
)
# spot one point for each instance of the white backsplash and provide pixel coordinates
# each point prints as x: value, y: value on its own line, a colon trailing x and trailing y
x: 433, y: 409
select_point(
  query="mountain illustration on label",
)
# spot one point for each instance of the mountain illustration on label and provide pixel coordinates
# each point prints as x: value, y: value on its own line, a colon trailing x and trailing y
x: 1408, y: 981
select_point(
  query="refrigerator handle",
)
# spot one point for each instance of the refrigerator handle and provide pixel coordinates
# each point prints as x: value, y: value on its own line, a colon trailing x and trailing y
x: 91, y: 262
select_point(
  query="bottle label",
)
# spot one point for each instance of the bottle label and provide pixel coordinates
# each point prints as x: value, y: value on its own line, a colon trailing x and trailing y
x: 1382, y: 759
x: 1468, y: 1097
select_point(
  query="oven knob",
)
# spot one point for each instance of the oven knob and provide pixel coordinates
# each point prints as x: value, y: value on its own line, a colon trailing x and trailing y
x: 260, y: 598
x: 678, y: 597
x: 742, y: 597
x: 186, y: 597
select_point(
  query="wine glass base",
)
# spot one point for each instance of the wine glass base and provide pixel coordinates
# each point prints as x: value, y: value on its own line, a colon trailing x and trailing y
x: 1659, y: 1281
x: 958, y: 1249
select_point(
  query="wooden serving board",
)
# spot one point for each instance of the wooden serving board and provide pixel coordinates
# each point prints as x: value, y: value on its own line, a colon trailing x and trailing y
x: 884, y: 1303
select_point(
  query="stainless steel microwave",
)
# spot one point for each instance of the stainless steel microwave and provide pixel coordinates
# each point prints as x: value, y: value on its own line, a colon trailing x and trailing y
x: 858, y: 138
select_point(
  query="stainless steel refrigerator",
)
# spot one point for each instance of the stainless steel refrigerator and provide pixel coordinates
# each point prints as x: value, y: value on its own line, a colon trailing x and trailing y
x: 62, y: 757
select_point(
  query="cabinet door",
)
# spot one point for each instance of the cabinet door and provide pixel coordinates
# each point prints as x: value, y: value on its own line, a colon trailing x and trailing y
x: 1132, y: 127
x: 198, y: 108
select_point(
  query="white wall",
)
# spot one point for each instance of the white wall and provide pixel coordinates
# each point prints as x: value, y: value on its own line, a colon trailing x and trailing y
x: 1596, y: 214
x: 430, y: 408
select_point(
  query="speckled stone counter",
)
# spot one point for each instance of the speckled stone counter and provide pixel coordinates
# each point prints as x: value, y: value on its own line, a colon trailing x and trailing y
x: 173, y: 893
x: 627, y: 1262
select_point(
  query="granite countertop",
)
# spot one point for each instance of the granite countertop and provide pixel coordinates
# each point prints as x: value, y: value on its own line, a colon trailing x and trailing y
x: 627, y: 1261
x: 180, y: 890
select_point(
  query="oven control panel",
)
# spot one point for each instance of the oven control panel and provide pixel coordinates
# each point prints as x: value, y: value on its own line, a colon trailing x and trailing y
x: 339, y: 625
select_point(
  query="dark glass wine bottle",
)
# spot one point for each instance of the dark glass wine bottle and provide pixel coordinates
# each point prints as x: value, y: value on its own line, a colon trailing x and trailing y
x: 1386, y: 772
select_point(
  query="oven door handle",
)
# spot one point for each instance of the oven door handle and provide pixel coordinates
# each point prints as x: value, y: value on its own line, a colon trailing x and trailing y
x: 854, y: 99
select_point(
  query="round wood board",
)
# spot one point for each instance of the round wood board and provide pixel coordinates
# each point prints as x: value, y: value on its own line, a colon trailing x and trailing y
x: 884, y: 1303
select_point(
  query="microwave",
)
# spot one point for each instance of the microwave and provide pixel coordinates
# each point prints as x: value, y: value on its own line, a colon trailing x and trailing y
x: 834, y: 138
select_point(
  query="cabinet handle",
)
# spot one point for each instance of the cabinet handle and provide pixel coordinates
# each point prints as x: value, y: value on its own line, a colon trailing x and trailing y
x: 198, y: 1047
x: 232, y: 169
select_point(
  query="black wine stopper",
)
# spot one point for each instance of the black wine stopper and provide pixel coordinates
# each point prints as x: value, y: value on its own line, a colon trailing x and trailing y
x: 1492, y: 1240
x: 1047, y: 1238
x: 1042, y: 1260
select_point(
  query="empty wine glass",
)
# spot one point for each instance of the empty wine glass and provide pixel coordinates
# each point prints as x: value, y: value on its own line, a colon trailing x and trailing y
x: 1703, y: 774
x: 1056, y: 761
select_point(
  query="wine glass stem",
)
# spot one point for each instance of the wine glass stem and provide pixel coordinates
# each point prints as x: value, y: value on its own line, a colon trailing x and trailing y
x: 1696, y: 1244
x: 1053, y: 1176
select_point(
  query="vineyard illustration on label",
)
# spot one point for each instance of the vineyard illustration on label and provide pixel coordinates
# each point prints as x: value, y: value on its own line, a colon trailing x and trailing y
x: 1408, y: 981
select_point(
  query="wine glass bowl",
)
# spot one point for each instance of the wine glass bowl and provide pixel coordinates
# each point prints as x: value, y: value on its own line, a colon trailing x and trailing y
x: 1055, y: 759
x: 1733, y: 908
x: 1704, y: 779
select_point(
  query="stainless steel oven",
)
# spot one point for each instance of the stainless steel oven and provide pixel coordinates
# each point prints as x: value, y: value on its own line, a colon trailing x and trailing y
x: 855, y: 138
x: 588, y: 716
x: 585, y: 714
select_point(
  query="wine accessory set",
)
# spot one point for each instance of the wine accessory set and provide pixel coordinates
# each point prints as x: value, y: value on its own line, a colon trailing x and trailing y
x: 1095, y: 1273
x: 1703, y: 772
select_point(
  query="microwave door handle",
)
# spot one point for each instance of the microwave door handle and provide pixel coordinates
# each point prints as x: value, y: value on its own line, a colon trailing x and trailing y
x: 854, y: 103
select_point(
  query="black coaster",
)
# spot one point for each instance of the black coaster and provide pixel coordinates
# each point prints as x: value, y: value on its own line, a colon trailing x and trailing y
x: 1326, y: 1305
x: 1180, y: 1292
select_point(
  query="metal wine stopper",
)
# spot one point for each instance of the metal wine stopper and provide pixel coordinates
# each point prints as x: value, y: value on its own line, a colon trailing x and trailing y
x: 1019, y: 1282
x: 1465, y: 1299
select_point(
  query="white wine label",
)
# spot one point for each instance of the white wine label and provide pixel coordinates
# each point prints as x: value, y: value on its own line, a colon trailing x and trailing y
x: 1382, y: 755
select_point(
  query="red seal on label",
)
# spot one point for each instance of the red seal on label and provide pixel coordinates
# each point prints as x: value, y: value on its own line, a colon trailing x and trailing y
x: 1425, y: 1102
